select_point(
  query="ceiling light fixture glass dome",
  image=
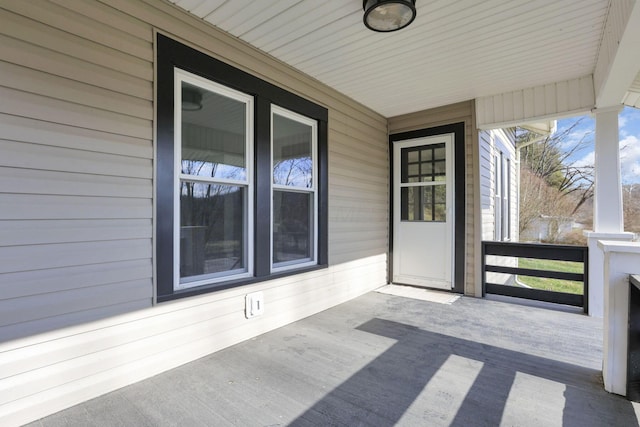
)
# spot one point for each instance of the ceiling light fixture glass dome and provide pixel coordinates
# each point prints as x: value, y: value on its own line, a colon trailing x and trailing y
x: 388, y: 15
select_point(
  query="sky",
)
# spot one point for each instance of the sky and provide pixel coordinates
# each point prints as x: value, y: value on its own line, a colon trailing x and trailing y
x: 629, y: 125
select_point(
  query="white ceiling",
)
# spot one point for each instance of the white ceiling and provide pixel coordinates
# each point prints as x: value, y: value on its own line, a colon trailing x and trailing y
x: 454, y: 51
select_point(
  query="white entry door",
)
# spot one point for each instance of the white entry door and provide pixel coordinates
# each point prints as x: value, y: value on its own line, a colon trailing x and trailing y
x: 423, y: 212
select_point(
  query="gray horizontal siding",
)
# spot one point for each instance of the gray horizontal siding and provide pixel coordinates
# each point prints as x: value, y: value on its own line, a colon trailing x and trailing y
x: 65, y: 89
x: 39, y: 257
x: 38, y: 232
x: 61, y: 159
x: 21, y: 129
x: 34, y: 106
x: 75, y: 44
x: 76, y: 171
x: 25, y: 309
x: 50, y: 280
x: 29, y: 181
x: 29, y: 206
x: 37, y: 57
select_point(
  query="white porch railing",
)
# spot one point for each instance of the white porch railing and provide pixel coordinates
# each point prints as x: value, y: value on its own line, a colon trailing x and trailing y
x: 621, y: 259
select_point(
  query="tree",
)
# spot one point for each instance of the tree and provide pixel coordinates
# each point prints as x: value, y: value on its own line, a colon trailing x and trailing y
x: 551, y: 183
x: 550, y: 159
x: 631, y: 206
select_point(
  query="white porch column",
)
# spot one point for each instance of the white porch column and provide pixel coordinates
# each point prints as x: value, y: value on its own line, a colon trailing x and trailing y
x: 608, y: 221
x: 607, y: 206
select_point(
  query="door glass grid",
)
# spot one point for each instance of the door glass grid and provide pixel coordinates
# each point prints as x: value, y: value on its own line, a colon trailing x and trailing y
x: 426, y: 202
x: 424, y: 164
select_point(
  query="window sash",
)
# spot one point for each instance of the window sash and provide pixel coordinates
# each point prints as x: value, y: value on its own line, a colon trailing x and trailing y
x: 179, y: 282
x: 311, y: 190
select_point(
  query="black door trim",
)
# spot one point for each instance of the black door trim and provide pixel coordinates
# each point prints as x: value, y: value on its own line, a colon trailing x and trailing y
x: 459, y: 194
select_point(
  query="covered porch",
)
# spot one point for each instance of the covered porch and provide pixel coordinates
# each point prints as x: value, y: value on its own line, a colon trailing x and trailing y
x: 382, y: 360
x: 87, y: 307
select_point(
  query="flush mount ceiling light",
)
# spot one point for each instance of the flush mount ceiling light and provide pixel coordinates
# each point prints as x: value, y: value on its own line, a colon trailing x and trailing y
x: 191, y: 99
x: 388, y: 15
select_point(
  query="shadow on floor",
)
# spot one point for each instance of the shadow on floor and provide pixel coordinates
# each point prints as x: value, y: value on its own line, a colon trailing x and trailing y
x: 381, y: 393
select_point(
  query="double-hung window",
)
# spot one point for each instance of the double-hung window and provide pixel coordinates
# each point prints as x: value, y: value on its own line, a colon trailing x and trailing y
x: 294, y: 225
x: 214, y: 191
x: 241, y: 177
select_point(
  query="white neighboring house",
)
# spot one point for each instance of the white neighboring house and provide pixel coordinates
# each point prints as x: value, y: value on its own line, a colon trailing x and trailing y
x: 547, y: 228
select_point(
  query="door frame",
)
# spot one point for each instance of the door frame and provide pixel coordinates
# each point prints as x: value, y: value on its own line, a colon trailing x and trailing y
x: 459, y: 239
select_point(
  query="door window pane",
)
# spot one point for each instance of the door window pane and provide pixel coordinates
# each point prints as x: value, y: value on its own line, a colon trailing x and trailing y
x: 292, y: 226
x: 212, y: 230
x: 439, y: 212
x: 410, y: 203
x: 422, y: 164
x: 440, y: 193
x: 292, y: 146
x: 213, y: 134
x: 423, y: 203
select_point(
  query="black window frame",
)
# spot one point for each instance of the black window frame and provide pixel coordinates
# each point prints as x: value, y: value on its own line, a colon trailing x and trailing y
x: 172, y: 54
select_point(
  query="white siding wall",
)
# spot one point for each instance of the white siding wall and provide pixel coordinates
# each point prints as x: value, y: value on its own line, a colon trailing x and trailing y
x: 76, y: 205
x: 455, y: 113
x: 487, y: 183
x: 492, y: 142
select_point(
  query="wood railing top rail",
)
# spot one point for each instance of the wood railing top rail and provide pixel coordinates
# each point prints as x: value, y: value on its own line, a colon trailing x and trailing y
x: 536, y: 250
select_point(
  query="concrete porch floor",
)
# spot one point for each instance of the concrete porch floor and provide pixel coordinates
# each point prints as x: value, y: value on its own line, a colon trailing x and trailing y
x: 383, y: 360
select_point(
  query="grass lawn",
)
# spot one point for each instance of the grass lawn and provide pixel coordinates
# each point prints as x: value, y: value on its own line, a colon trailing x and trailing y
x: 551, y: 284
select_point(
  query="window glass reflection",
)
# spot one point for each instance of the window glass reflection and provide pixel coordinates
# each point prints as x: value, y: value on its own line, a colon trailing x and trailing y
x: 292, y: 146
x: 213, y: 134
x: 292, y: 226
x: 212, y: 232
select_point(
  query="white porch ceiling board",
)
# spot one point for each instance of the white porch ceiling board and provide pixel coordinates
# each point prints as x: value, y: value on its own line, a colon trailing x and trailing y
x: 454, y: 51
x: 461, y: 52
x: 471, y: 38
x: 636, y: 84
x: 307, y: 26
x: 632, y: 98
x: 484, y: 68
x: 260, y: 12
x: 619, y: 58
x: 204, y: 8
x: 190, y: 5
x: 235, y: 17
x: 535, y: 103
